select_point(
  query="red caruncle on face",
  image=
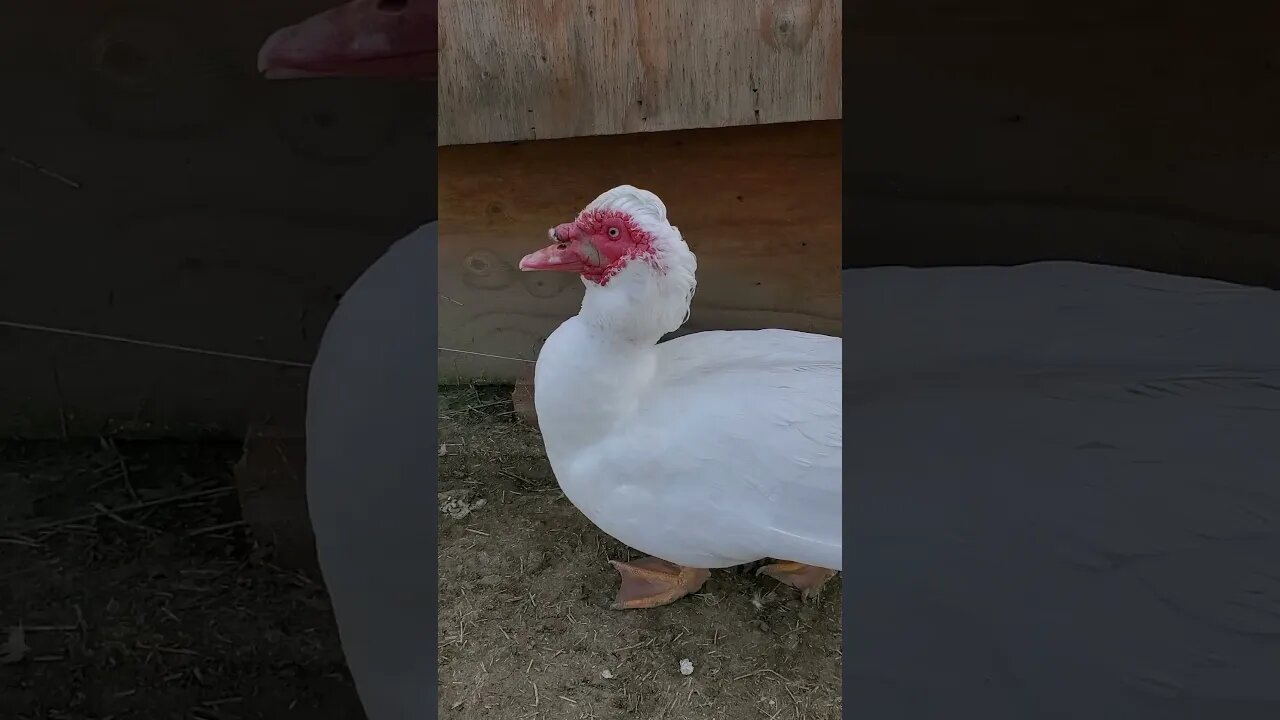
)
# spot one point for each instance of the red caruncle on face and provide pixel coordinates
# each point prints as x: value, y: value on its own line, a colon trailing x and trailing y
x: 597, y: 245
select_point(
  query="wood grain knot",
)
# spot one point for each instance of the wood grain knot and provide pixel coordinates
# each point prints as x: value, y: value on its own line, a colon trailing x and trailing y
x: 485, y: 270
x: 788, y: 23
x: 153, y: 77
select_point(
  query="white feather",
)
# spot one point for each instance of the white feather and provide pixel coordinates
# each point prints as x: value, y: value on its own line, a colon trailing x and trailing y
x: 709, y: 450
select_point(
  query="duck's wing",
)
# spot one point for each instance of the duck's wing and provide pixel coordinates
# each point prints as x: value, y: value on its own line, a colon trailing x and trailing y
x: 369, y: 460
x: 1067, y: 477
x: 738, y: 451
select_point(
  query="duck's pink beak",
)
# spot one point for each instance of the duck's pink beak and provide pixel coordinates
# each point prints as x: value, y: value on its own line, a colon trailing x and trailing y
x: 560, y: 256
x: 363, y: 38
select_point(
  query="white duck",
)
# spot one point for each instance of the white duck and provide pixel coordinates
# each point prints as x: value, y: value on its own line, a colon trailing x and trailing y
x: 709, y: 450
x: 1067, y: 493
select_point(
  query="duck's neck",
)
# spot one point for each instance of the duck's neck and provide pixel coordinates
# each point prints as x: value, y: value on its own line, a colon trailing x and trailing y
x: 597, y: 367
x: 641, y: 303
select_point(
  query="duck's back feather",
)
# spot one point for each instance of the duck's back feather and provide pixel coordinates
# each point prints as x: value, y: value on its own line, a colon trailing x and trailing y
x: 1079, y: 463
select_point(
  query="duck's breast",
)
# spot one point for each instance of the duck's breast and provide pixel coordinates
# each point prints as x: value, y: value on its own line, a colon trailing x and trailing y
x: 733, y: 454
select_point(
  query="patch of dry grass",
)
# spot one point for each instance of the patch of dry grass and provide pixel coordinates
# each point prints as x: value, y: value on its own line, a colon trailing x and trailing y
x: 524, y: 625
x: 138, y: 594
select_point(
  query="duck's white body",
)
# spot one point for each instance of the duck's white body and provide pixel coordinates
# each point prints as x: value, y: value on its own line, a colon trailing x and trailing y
x: 718, y: 449
x: 1067, y: 479
x: 710, y: 450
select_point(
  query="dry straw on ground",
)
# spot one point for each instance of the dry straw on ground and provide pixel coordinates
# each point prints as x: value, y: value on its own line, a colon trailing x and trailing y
x: 524, y: 626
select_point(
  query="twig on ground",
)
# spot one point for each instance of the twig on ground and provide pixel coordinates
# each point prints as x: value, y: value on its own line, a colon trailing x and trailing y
x: 110, y: 445
x: 105, y: 511
x: 216, y: 528
x: 108, y: 512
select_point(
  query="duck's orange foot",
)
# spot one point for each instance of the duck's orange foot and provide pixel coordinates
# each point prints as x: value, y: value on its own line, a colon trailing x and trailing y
x: 808, y: 579
x: 650, y: 582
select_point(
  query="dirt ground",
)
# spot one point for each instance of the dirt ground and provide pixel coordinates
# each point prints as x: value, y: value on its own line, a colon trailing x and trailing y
x: 129, y: 589
x: 525, y: 629
x: 160, y: 609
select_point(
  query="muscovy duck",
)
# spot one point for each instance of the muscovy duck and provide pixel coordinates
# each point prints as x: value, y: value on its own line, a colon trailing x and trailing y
x: 369, y: 460
x: 709, y: 450
x: 369, y: 450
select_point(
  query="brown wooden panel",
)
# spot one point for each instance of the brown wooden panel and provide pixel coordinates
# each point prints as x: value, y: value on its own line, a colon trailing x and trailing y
x: 1132, y: 132
x: 568, y: 68
x: 759, y: 205
x: 190, y: 202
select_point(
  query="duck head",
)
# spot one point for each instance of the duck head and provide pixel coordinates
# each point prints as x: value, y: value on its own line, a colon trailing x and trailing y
x: 637, y: 269
x: 363, y: 38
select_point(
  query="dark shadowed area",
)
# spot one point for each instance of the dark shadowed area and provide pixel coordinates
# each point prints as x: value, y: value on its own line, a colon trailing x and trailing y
x: 1062, y: 478
x: 1063, y: 497
x: 128, y: 588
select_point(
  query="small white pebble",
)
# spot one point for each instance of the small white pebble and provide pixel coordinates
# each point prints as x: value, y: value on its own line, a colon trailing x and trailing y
x: 606, y: 674
x: 686, y: 667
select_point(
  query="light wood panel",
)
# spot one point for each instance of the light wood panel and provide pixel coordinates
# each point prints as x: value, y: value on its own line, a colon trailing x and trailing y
x: 759, y: 205
x: 567, y: 68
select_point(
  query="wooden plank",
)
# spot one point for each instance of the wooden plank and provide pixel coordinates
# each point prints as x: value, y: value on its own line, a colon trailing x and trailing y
x: 759, y: 205
x: 569, y: 68
x: 203, y: 207
x: 987, y: 139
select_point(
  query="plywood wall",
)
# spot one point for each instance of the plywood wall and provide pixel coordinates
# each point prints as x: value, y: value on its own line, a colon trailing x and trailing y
x: 153, y: 187
x: 569, y: 68
x: 759, y: 205
x: 1131, y: 132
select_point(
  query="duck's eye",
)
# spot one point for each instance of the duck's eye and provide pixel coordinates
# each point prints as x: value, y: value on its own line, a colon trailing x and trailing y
x: 614, y: 232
